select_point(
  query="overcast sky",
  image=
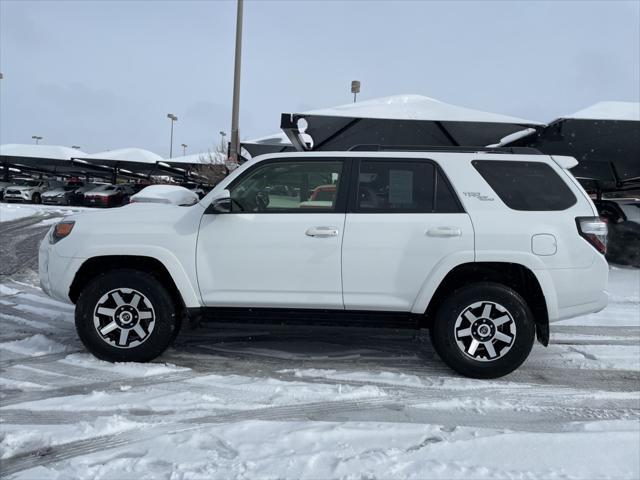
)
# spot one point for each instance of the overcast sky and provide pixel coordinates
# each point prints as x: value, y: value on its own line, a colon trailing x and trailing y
x: 104, y: 75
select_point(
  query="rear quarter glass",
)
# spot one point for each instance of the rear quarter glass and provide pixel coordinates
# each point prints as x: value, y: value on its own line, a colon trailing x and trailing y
x: 526, y: 186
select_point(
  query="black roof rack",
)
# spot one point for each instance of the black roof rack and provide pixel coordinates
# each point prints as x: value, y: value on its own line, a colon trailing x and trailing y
x: 439, y: 148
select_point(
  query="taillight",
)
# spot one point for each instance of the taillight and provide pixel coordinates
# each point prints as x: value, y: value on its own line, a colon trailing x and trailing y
x: 594, y: 231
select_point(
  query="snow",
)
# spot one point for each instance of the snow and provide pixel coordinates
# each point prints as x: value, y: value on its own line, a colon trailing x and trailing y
x: 124, y: 154
x: 609, y: 111
x: 16, y: 211
x: 34, y: 346
x: 415, y: 107
x: 294, y: 402
x: 274, y: 139
x: 171, y: 194
x: 195, y: 158
x: 513, y: 137
x: 56, y: 152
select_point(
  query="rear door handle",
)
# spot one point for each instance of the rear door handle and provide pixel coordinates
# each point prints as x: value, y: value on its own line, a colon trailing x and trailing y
x: 322, y: 232
x: 444, y: 232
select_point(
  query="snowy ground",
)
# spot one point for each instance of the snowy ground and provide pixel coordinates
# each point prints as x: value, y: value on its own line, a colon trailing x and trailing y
x: 309, y: 403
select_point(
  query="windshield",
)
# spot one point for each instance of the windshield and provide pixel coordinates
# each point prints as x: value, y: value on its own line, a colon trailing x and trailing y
x: 27, y: 183
x: 104, y: 188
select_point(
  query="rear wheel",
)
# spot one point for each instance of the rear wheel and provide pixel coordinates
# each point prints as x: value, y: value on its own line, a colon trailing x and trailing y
x: 126, y: 316
x: 36, y: 198
x: 484, y: 330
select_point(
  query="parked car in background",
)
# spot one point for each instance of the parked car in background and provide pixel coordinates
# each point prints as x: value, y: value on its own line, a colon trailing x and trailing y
x: 623, y: 219
x: 62, y: 195
x: 29, y: 190
x: 77, y: 196
x: 3, y: 185
x: 108, y: 195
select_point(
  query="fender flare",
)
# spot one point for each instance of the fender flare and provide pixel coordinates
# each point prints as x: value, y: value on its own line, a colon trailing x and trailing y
x: 448, y: 263
x: 179, y: 275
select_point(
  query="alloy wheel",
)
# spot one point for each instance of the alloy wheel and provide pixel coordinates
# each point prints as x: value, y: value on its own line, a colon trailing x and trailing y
x: 485, y: 331
x: 124, y: 318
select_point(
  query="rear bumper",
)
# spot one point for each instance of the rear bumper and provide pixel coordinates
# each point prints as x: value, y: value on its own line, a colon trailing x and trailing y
x: 580, y: 291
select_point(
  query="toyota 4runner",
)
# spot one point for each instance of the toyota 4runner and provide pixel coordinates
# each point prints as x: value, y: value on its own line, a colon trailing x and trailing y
x: 484, y: 248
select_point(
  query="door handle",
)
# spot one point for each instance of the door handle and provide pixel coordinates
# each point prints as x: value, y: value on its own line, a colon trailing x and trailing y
x: 444, y: 232
x: 322, y: 232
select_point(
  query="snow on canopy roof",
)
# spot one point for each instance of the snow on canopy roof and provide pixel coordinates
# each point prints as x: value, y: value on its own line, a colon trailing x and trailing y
x: 275, y: 139
x: 204, y: 157
x: 415, y: 107
x: 125, y: 155
x: 609, y: 111
x: 55, y: 152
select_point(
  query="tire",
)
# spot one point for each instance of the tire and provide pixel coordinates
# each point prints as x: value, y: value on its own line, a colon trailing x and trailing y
x: 36, y: 198
x: 126, y: 300
x: 483, y: 330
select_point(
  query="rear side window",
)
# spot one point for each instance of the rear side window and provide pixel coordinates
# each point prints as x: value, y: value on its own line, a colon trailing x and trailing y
x: 530, y: 186
x: 398, y: 186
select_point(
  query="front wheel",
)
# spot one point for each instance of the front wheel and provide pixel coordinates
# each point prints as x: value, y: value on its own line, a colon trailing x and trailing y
x: 126, y: 316
x: 484, y: 330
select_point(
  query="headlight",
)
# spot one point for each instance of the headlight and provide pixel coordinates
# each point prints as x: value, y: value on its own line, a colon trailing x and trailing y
x: 61, y: 230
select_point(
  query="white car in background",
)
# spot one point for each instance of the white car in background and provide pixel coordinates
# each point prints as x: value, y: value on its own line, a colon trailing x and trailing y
x: 4, y: 185
x: 485, y: 249
x: 29, y: 190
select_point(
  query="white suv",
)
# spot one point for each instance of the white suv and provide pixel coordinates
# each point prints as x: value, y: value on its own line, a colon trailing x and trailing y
x: 484, y: 248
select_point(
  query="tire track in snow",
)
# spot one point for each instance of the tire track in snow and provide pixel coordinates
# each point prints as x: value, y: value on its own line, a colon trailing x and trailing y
x: 65, y: 451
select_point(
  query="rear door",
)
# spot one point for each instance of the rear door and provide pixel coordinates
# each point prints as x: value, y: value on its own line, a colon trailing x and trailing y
x: 402, y: 220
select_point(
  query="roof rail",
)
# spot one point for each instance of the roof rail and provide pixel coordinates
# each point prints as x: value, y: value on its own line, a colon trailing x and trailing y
x: 440, y: 148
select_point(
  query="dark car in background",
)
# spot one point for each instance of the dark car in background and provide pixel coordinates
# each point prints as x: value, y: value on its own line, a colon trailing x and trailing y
x: 623, y: 221
x: 108, y: 195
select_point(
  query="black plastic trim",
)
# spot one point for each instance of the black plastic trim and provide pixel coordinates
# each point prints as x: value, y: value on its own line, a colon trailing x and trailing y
x: 310, y: 317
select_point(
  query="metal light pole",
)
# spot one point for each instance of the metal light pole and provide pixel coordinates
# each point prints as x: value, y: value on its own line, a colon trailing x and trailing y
x: 235, y: 137
x: 355, y: 89
x: 36, y: 138
x: 184, y: 148
x: 222, y: 135
x: 173, y: 118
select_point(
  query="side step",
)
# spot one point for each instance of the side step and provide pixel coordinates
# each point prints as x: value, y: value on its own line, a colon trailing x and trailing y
x: 311, y: 317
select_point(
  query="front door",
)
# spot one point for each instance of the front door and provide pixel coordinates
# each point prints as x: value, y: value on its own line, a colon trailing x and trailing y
x: 280, y: 245
x: 403, y: 219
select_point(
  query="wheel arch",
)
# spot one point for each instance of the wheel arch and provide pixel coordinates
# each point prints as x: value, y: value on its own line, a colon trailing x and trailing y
x: 516, y: 276
x: 97, y: 265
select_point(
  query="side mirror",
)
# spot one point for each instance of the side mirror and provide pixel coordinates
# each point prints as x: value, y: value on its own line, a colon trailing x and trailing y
x: 220, y: 205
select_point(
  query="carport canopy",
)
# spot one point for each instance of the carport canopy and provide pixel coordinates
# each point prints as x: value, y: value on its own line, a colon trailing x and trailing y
x: 604, y: 138
x: 400, y: 120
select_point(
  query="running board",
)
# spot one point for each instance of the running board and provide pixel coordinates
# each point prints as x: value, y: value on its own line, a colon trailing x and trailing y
x: 311, y: 317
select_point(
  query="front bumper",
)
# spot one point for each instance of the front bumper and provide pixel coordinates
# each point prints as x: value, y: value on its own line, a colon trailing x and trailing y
x: 56, y: 272
x: 54, y: 200
x: 17, y: 197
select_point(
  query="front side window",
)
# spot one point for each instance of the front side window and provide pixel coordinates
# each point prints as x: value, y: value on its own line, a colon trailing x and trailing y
x: 295, y: 186
x: 530, y: 186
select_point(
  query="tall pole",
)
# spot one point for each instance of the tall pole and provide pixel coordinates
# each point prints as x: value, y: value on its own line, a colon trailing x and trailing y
x: 235, y: 136
x: 171, y: 142
x: 173, y: 118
